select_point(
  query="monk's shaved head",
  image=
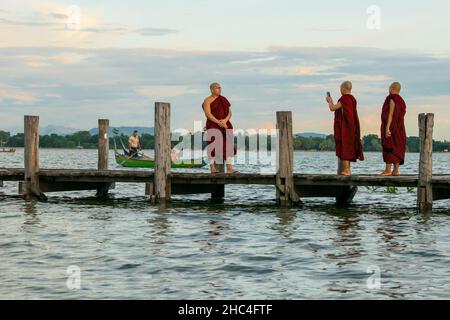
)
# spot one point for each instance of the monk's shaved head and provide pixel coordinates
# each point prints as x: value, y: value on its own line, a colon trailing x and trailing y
x: 346, y: 87
x: 213, y: 85
x: 396, y: 87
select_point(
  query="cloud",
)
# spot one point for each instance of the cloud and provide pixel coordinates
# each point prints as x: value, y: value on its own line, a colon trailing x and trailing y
x: 164, y: 91
x: 150, y: 32
x: 39, y: 61
x: 15, y: 95
x: 55, y: 82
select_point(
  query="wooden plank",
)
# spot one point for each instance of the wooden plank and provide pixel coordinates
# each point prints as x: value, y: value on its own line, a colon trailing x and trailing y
x: 356, y: 180
x: 31, y: 158
x: 285, y: 190
x: 12, y: 174
x: 424, y: 187
x: 162, y: 152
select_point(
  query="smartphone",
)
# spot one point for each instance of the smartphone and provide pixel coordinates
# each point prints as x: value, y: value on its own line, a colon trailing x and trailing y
x: 328, y: 94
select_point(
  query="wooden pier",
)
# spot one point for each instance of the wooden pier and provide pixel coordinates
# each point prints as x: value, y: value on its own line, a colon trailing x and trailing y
x: 161, y: 183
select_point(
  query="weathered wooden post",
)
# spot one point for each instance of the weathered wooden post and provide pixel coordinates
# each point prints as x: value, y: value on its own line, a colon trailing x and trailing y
x: 103, y: 144
x: 218, y: 192
x: 424, y: 188
x: 286, y: 194
x: 162, y: 185
x: 103, y: 153
x: 31, y: 159
x: 347, y: 193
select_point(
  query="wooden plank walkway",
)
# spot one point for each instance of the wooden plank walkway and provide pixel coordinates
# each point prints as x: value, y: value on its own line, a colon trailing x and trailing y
x: 145, y: 176
x: 161, y: 182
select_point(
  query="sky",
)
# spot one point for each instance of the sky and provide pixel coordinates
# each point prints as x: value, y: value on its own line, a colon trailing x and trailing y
x: 73, y: 62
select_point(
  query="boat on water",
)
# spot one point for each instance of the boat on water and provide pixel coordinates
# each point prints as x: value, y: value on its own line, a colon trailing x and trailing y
x: 7, y: 150
x: 142, y: 161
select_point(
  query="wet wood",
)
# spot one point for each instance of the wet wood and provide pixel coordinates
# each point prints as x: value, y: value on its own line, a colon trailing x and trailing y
x: 31, y: 159
x: 424, y: 187
x: 162, y: 152
x: 103, y: 154
x: 218, y: 190
x: 285, y: 191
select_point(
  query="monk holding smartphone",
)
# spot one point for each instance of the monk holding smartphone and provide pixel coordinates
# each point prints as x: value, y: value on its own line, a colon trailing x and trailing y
x: 347, y: 133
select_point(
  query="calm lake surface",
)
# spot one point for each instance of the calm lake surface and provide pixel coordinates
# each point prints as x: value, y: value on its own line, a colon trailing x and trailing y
x: 244, y: 248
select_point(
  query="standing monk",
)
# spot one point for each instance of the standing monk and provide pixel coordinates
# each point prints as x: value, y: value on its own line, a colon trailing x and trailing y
x: 347, y: 134
x: 393, y: 133
x: 218, y: 114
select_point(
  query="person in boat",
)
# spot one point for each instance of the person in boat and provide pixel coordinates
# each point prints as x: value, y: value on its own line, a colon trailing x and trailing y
x: 347, y: 134
x: 133, y: 144
x: 218, y: 113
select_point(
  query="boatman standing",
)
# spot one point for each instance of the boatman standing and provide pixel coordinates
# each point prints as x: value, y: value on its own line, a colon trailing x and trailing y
x: 133, y: 144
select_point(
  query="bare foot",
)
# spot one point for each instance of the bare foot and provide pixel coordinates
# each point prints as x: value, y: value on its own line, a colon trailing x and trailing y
x: 213, y: 169
x: 345, y: 173
x: 232, y: 171
x: 396, y: 173
x: 386, y: 174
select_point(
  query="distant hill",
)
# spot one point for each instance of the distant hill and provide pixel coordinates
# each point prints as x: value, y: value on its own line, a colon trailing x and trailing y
x: 126, y: 130
x: 311, y: 135
x: 59, y: 130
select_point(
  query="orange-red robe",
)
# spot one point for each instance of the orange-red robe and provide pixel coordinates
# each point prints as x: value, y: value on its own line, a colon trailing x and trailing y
x: 394, y: 148
x: 220, y: 108
x: 347, y: 133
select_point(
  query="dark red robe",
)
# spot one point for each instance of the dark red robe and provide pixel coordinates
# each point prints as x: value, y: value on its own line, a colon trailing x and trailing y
x: 347, y: 133
x: 394, y: 148
x: 220, y: 108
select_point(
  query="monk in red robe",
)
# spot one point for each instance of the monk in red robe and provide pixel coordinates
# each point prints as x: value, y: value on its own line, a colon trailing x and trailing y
x: 218, y: 114
x: 393, y: 133
x: 347, y: 134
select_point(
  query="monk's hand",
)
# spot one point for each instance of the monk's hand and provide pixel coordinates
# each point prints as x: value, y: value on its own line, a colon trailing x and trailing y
x: 388, y: 133
x: 330, y: 100
x: 223, y: 123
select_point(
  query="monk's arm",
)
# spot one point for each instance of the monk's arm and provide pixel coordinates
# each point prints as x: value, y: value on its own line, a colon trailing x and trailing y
x: 208, y: 114
x: 334, y: 107
x: 391, y: 116
x: 228, y: 117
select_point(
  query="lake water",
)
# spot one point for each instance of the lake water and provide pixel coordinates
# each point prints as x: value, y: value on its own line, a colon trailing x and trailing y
x: 244, y: 248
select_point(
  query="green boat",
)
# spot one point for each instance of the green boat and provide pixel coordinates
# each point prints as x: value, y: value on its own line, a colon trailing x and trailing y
x: 147, y: 162
x: 143, y: 161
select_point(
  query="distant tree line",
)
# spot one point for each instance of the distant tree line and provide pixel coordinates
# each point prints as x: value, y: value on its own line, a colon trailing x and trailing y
x: 84, y: 139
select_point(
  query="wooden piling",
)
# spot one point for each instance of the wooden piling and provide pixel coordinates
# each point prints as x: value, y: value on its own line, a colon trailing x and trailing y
x: 424, y: 188
x: 285, y: 190
x: 218, y: 192
x: 163, y: 160
x: 31, y: 159
x: 347, y: 193
x: 103, y: 153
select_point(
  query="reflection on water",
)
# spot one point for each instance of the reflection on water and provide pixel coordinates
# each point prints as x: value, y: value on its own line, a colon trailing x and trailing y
x: 245, y: 247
